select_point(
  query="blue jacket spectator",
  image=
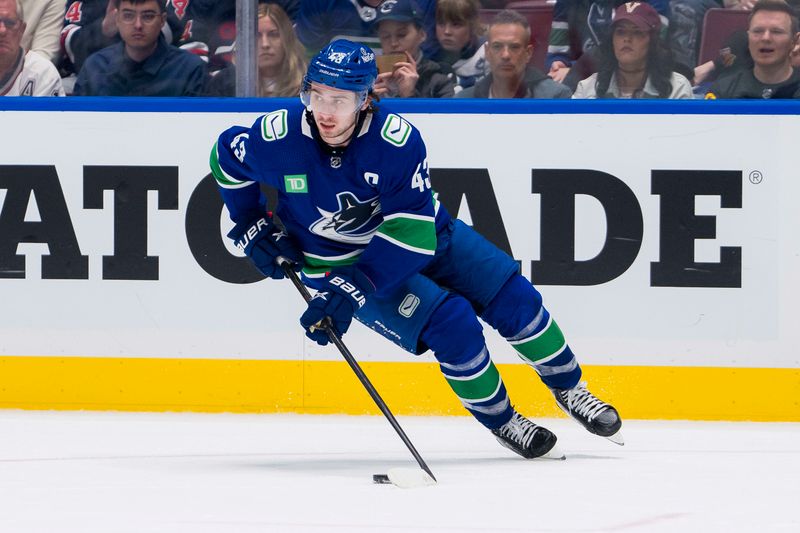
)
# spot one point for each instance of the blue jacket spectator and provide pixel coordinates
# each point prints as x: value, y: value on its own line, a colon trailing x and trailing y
x: 91, y: 25
x: 143, y: 64
x: 168, y: 72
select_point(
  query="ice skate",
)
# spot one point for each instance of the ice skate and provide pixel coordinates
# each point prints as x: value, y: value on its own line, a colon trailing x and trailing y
x: 592, y: 413
x: 522, y: 436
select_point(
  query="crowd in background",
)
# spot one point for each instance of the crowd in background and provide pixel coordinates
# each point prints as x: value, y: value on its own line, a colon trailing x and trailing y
x: 427, y: 48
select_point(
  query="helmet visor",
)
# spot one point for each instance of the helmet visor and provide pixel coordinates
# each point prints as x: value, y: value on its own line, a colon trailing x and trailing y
x: 320, y: 99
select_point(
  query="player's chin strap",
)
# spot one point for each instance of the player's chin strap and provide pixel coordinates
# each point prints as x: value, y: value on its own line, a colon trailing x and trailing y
x: 327, y: 148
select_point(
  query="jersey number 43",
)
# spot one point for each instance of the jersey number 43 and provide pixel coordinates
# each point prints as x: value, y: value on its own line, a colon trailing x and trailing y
x: 421, y: 180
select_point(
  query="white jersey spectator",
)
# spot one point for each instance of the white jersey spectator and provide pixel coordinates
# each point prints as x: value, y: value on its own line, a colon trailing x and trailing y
x: 32, y: 75
x: 21, y: 73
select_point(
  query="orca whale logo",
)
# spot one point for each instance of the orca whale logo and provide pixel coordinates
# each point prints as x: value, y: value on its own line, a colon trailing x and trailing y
x: 354, y: 222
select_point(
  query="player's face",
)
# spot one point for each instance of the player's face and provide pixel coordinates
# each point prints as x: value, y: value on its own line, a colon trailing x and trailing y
x: 11, y: 30
x: 770, y: 39
x: 630, y: 45
x: 508, y: 51
x: 398, y: 37
x: 334, y: 112
x: 140, y: 24
x: 270, y: 47
x: 453, y: 36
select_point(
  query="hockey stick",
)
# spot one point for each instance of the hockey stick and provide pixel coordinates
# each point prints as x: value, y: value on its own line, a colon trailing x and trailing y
x: 336, y: 339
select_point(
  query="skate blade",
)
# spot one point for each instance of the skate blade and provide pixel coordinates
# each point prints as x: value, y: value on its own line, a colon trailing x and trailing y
x: 409, y: 478
x: 616, y: 438
x: 554, y: 453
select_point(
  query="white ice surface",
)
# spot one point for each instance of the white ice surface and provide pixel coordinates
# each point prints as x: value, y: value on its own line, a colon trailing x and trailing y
x: 191, y: 473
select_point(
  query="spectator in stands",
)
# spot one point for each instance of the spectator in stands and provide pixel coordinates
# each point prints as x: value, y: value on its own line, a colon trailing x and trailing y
x: 207, y: 28
x: 399, y: 28
x: 508, y: 51
x: 459, y: 33
x: 772, y: 35
x: 281, y: 58
x: 91, y: 25
x: 43, y: 23
x: 635, y: 62
x: 578, y: 28
x: 143, y: 64
x: 320, y: 21
x: 733, y: 55
x: 22, y: 73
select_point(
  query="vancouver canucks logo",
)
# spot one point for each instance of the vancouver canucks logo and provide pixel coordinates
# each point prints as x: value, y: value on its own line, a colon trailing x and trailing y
x: 355, y: 222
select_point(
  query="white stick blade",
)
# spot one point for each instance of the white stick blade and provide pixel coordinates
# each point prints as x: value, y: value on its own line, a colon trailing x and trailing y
x: 409, y: 478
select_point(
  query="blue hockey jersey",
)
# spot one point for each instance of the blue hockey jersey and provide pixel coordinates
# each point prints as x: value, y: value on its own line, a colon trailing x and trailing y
x: 370, y: 204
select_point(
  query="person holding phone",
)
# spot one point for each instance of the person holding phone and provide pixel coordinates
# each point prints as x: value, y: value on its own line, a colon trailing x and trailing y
x: 410, y: 74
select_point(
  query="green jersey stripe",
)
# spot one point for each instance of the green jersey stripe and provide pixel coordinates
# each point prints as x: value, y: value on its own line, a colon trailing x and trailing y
x: 223, y: 178
x: 409, y: 216
x: 316, y: 266
x: 406, y: 231
x: 558, y: 36
x: 404, y: 246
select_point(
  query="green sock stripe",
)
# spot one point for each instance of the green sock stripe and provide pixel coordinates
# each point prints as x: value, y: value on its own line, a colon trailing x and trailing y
x: 476, y: 388
x: 548, y: 342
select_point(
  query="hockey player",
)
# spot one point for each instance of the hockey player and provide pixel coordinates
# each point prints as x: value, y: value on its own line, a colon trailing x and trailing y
x: 359, y: 217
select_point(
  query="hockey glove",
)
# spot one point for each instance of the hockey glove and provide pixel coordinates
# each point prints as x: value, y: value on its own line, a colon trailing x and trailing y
x: 345, y: 292
x: 263, y: 242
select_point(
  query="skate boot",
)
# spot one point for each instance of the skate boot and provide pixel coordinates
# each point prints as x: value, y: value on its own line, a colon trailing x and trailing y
x: 592, y: 413
x: 522, y: 436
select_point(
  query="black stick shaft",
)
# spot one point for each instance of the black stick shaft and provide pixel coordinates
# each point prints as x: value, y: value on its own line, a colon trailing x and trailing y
x: 336, y: 339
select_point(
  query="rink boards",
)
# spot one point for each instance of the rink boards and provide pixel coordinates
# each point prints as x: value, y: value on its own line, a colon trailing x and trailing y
x: 662, y: 236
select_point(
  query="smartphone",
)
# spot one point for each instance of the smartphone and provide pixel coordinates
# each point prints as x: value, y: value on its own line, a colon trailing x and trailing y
x: 387, y: 62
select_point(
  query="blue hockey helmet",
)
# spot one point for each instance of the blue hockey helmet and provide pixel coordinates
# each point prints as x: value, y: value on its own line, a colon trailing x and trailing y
x: 343, y: 65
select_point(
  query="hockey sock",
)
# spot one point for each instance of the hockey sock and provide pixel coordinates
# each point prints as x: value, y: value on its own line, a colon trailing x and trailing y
x: 456, y: 338
x: 518, y: 314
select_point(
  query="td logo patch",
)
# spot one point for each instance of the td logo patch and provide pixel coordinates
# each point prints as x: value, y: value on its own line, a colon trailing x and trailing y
x: 295, y: 183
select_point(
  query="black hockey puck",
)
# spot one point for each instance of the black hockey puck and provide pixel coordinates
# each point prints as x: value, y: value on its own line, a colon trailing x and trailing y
x: 380, y: 479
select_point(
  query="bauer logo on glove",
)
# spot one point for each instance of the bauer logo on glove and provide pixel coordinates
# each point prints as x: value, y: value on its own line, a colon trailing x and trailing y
x: 263, y: 242
x: 251, y: 232
x: 344, y: 292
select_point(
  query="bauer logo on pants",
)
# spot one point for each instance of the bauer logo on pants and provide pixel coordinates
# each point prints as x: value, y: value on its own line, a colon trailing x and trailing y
x: 408, y: 306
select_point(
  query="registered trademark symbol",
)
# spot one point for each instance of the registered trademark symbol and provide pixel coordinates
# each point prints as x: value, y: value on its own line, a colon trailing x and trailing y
x: 756, y: 176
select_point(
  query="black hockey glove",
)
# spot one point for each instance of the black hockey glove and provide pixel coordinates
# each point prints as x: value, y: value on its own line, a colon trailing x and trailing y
x: 263, y: 242
x: 345, y: 292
